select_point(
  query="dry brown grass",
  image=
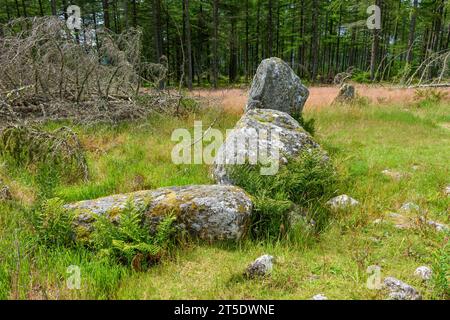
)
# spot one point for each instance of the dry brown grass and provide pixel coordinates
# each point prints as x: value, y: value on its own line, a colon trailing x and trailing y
x: 233, y: 100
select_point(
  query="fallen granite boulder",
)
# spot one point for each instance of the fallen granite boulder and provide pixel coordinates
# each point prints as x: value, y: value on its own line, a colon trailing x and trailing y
x: 262, y: 135
x: 210, y: 212
x: 276, y: 86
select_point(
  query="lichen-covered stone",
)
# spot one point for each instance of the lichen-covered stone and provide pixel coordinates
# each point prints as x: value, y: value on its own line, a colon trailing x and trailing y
x: 292, y: 140
x: 262, y: 266
x: 210, y: 212
x: 276, y: 86
x: 398, y: 290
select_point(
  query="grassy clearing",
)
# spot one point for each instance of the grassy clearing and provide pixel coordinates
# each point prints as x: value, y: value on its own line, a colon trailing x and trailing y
x: 362, y: 140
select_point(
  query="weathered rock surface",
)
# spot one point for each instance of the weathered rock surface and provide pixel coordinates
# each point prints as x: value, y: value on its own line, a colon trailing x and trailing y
x: 262, y: 266
x: 252, y: 139
x: 424, y: 273
x: 346, y: 93
x: 436, y: 225
x: 341, y: 202
x: 398, y: 290
x: 276, y: 86
x: 210, y: 212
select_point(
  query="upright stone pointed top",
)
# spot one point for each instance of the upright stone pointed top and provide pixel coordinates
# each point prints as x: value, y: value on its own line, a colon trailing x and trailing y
x: 276, y: 86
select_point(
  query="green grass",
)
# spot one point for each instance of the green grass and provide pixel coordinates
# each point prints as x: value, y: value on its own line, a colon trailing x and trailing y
x: 362, y: 140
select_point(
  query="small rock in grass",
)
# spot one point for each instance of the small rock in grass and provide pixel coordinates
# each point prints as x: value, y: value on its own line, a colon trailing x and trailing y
x: 393, y: 174
x: 398, y: 290
x: 409, y: 206
x: 447, y: 190
x: 436, y: 225
x: 5, y: 194
x: 260, y: 267
x: 342, y: 201
x: 319, y: 297
x: 424, y: 272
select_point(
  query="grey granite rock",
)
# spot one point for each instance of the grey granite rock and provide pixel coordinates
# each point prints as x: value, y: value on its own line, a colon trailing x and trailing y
x: 399, y: 290
x: 346, y: 93
x: 424, y: 273
x: 210, y: 212
x: 262, y: 135
x: 262, y: 266
x: 341, y: 202
x: 276, y: 86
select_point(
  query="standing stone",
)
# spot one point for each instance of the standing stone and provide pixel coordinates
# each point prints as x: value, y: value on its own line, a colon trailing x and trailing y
x: 276, y: 86
x: 247, y: 141
x: 210, y: 212
x: 346, y: 93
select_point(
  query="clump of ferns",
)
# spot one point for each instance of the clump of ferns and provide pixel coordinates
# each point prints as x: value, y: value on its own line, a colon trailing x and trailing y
x: 127, y: 240
x: 31, y: 147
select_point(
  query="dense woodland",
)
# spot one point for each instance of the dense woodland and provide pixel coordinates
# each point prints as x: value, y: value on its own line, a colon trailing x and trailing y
x: 214, y: 42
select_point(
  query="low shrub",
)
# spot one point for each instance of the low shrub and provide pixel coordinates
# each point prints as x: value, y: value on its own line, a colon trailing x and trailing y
x: 31, y: 147
x: 53, y: 224
x: 300, y: 188
x: 429, y: 97
x: 361, y: 76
